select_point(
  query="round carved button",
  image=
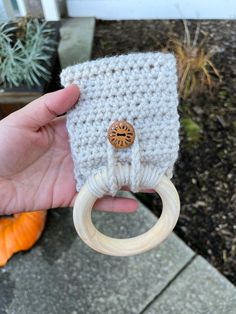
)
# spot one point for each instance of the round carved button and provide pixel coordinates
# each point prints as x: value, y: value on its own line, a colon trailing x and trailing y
x: 121, y: 134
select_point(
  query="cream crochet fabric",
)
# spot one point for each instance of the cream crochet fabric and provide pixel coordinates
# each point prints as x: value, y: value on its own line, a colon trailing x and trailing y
x: 140, y: 88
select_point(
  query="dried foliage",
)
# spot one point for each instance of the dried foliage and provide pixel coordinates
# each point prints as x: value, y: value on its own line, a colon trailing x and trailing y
x: 195, y: 67
x: 26, y: 48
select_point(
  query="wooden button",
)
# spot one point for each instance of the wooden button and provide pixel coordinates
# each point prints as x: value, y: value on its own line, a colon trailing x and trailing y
x: 121, y: 134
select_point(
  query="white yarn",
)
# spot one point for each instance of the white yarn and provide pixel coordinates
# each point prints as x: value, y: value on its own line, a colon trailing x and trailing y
x: 140, y: 88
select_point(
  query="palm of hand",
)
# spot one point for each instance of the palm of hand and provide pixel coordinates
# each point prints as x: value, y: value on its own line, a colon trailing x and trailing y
x: 43, y: 154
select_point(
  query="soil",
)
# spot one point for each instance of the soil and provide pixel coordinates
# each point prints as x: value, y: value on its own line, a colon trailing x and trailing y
x: 205, y: 172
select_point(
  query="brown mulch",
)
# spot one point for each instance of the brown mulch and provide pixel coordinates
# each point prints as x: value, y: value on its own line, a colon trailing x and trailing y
x: 205, y: 173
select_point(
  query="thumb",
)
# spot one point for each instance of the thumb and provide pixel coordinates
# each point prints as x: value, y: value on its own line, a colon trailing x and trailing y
x: 44, y: 109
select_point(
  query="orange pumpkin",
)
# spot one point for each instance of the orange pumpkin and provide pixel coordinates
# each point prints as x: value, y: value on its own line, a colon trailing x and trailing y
x: 19, y: 233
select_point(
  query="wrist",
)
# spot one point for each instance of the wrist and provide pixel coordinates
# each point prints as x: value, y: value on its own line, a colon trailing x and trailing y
x: 6, y: 192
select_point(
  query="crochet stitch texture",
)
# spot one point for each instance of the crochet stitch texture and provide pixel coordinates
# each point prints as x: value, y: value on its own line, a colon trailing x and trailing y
x: 140, y: 88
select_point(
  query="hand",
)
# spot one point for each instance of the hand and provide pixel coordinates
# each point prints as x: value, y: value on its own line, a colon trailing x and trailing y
x: 36, y: 169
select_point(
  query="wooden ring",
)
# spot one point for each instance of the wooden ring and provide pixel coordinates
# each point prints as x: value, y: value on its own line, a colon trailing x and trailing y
x: 125, y: 247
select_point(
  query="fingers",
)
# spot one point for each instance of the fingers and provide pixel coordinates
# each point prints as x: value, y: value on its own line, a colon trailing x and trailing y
x: 115, y: 204
x: 44, y: 109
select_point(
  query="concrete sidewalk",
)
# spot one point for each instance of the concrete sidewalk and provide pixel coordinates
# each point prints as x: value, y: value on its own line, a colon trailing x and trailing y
x: 62, y: 275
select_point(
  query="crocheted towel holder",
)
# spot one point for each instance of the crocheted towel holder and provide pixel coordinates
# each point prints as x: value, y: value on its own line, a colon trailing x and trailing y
x: 124, y: 132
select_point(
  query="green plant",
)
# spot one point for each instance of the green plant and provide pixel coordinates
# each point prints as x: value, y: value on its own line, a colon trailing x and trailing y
x: 195, y: 68
x: 25, y: 52
x: 192, y: 130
